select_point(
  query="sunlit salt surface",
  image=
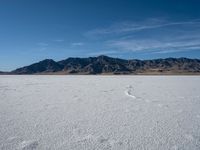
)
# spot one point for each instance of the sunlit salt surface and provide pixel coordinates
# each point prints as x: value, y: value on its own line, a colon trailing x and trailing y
x: 100, y: 112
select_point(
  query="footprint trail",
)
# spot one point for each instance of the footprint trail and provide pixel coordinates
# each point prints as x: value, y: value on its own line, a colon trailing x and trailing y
x: 129, y: 92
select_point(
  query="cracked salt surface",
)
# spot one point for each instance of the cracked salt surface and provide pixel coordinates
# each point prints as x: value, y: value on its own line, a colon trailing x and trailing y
x: 99, y: 112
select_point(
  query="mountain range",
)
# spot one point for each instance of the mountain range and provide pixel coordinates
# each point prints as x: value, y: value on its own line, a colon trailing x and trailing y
x: 108, y: 65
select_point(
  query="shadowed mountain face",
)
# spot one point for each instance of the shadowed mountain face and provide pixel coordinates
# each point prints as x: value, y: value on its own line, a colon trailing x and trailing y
x: 94, y: 65
x: 46, y: 65
x: 3, y: 73
x: 108, y: 65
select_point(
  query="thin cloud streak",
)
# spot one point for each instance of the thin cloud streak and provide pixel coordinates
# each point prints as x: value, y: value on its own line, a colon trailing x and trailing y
x: 77, y: 44
x: 42, y: 44
x: 107, y: 52
x: 59, y: 40
x: 147, y: 37
x: 138, y: 26
x: 154, y: 45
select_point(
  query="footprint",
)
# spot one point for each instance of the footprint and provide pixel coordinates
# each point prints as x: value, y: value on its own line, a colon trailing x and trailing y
x: 181, y: 97
x: 85, y: 138
x: 11, y: 142
x: 28, y: 145
x: 129, y: 92
x: 77, y: 132
x: 132, y: 110
x: 189, y: 137
x: 159, y: 104
x: 162, y: 105
x: 103, y: 140
x: 175, y: 147
x: 114, y: 143
x: 13, y: 138
x: 108, y: 141
x: 81, y: 135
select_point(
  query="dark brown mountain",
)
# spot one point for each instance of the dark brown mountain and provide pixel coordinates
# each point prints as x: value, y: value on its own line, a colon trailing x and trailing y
x: 94, y: 65
x: 108, y: 65
x: 45, y: 66
x: 3, y: 73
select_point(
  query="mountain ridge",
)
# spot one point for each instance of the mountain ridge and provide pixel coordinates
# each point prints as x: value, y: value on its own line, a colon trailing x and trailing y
x: 109, y: 65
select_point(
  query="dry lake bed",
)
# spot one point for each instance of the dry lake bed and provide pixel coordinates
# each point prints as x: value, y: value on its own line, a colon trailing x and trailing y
x: 99, y: 112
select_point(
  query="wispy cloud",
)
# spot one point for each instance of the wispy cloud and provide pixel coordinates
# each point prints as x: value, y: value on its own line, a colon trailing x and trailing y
x: 150, y: 36
x: 59, y: 40
x: 77, y: 44
x: 155, y: 46
x: 127, y: 27
x: 104, y: 52
x: 42, y: 44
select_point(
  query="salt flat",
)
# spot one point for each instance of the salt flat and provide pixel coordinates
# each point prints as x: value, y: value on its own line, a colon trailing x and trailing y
x: 100, y: 112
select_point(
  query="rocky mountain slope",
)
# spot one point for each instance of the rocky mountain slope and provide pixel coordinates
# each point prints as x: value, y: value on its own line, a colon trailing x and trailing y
x: 108, y: 65
x: 2, y: 73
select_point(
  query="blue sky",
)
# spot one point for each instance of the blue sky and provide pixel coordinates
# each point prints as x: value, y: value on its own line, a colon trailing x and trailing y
x: 32, y: 30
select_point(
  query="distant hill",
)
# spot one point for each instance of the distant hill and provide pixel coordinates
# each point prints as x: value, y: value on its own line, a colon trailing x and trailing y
x: 108, y: 65
x: 1, y: 72
x: 47, y: 65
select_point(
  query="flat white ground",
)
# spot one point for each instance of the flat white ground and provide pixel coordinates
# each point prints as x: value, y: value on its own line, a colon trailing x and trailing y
x: 100, y: 112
